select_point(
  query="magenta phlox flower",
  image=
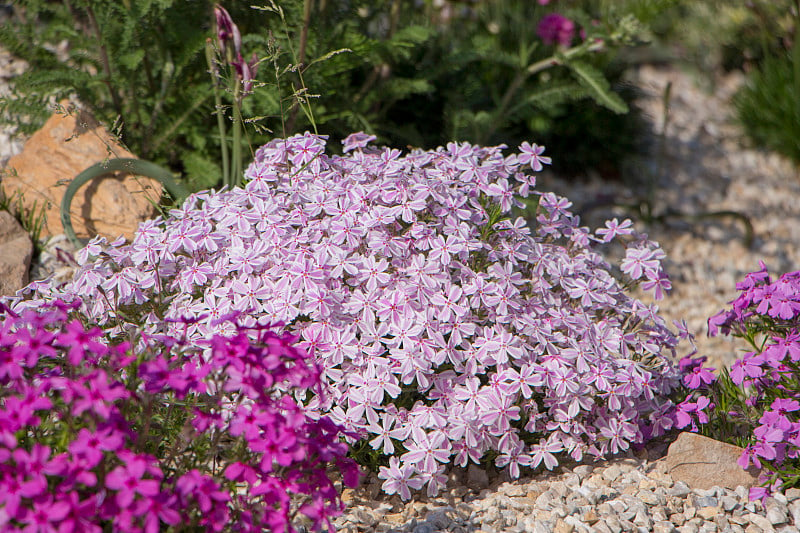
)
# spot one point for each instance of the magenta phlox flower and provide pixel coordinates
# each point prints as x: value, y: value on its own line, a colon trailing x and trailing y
x: 98, y: 395
x: 698, y: 377
x: 161, y: 508
x: 45, y: 515
x: 789, y: 344
x: 683, y: 415
x: 777, y: 419
x: 766, y: 439
x: 20, y: 412
x: 759, y: 493
x: 785, y: 405
x: 201, y: 488
x: 32, y: 346
x: 79, y: 341
x: 82, y: 514
x: 92, y: 444
x: 722, y: 321
x: 747, y: 367
x: 128, y: 480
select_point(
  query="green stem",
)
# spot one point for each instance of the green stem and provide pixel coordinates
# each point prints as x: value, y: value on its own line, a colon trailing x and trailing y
x: 236, y: 171
x: 560, y: 59
x: 796, y: 64
x: 301, y: 59
x: 530, y: 70
x: 133, y: 166
x: 223, y: 141
x: 106, y: 63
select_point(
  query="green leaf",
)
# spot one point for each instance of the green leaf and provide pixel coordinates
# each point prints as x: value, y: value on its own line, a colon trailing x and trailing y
x: 132, y: 59
x: 593, y: 79
x: 399, y: 88
x: 551, y: 96
x: 203, y: 173
x: 411, y: 35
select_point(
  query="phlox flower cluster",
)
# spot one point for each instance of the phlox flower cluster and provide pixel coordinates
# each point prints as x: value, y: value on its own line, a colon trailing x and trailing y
x: 94, y: 437
x: 760, y: 390
x: 445, y: 328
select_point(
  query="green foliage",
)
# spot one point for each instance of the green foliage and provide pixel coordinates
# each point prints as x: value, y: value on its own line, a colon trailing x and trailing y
x: 768, y: 106
x: 135, y: 64
x: 413, y: 75
x: 727, y: 34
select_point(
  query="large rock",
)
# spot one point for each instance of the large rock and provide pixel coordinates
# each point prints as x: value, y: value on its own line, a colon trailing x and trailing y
x: 702, y: 463
x: 16, y: 250
x: 68, y: 144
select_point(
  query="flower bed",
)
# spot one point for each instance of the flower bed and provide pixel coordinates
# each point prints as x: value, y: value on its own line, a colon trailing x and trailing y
x: 446, y: 331
x: 94, y: 435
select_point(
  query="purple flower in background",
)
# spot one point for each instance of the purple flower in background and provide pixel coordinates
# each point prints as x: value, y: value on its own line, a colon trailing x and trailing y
x: 556, y: 29
x: 227, y: 31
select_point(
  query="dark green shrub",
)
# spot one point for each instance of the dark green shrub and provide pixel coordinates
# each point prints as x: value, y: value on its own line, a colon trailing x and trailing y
x: 768, y: 105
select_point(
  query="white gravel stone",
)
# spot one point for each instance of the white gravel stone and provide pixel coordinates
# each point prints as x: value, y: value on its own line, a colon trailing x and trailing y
x: 777, y: 514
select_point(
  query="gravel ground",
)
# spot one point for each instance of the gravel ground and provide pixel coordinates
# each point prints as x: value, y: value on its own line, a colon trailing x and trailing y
x: 627, y: 494
x: 706, y: 168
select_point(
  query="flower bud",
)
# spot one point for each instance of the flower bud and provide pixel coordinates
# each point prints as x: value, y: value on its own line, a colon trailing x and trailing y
x: 227, y: 31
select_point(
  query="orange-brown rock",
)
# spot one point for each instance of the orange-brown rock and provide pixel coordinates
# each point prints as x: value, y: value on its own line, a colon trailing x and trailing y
x: 702, y: 463
x: 16, y: 250
x: 70, y: 142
